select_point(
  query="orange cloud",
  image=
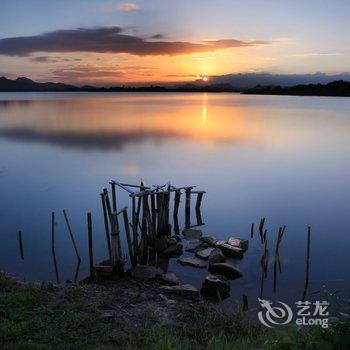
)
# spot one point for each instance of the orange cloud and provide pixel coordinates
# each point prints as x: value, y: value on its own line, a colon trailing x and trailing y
x: 128, y: 6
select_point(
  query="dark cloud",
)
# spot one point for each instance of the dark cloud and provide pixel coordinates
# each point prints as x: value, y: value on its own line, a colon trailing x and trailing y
x: 85, y: 72
x: 49, y: 59
x: 157, y: 36
x: 109, y: 40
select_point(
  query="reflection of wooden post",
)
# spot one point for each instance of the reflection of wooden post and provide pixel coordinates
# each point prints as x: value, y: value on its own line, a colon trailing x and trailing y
x: 91, y: 256
x: 105, y: 218
x: 20, y: 244
x: 128, y: 238
x: 71, y: 234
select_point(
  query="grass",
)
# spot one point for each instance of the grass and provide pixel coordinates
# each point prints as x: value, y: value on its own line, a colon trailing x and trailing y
x: 36, y: 318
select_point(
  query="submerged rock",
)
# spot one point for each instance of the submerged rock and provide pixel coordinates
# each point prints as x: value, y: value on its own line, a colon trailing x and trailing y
x: 204, y: 254
x: 146, y: 272
x: 230, y: 250
x: 175, y: 249
x: 216, y: 256
x: 194, y: 262
x: 238, y: 242
x: 225, y: 269
x: 169, y: 279
x: 190, y: 233
x: 186, y: 291
x: 216, y: 285
x: 211, y: 241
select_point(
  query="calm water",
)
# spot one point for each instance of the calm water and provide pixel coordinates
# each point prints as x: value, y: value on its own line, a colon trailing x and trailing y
x: 283, y: 158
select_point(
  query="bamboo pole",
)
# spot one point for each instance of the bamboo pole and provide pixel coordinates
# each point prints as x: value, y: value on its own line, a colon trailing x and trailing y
x: 91, y: 254
x: 114, y: 233
x: 128, y: 238
x: 71, y: 234
x: 20, y: 241
x: 105, y: 219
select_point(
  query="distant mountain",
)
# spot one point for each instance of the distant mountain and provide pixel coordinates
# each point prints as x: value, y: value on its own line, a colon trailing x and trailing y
x: 335, y: 88
x: 25, y: 84
x: 244, y: 81
x: 224, y: 83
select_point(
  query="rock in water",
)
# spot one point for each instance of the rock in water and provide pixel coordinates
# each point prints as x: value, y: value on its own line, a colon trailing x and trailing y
x: 238, y: 242
x: 230, y: 250
x: 175, y: 249
x: 186, y: 291
x: 214, y: 285
x: 171, y: 241
x: 204, y: 254
x: 216, y: 256
x: 170, y: 279
x: 193, y: 246
x: 194, y: 262
x: 146, y: 272
x: 211, y: 241
x: 225, y: 269
x: 190, y: 233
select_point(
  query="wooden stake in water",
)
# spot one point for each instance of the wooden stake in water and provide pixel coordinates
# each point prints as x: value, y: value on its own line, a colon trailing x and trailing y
x: 114, y: 197
x: 252, y: 231
x: 71, y: 235
x: 105, y: 218
x: 245, y: 302
x: 188, y: 207
x: 20, y: 244
x: 128, y: 238
x: 307, y: 262
x: 91, y: 254
x: 53, y: 232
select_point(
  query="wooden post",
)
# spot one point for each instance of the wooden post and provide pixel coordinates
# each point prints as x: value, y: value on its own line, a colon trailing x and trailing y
x: 128, y: 238
x: 114, y: 197
x: 114, y: 234
x: 91, y: 256
x: 176, y: 202
x: 20, y: 244
x: 134, y: 228
x: 245, y: 302
x: 105, y: 218
x: 188, y: 207
x: 252, y: 231
x: 307, y: 262
x: 199, y: 199
x: 53, y: 232
x: 71, y: 234
x: 154, y: 213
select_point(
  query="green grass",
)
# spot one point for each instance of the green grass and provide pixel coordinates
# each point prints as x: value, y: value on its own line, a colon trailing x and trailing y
x: 35, y: 318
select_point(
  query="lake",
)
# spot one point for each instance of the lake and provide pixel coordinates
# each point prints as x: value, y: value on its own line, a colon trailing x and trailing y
x: 281, y: 157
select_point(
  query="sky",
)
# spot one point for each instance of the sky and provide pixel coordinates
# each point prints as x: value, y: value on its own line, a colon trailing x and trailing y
x: 110, y: 42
